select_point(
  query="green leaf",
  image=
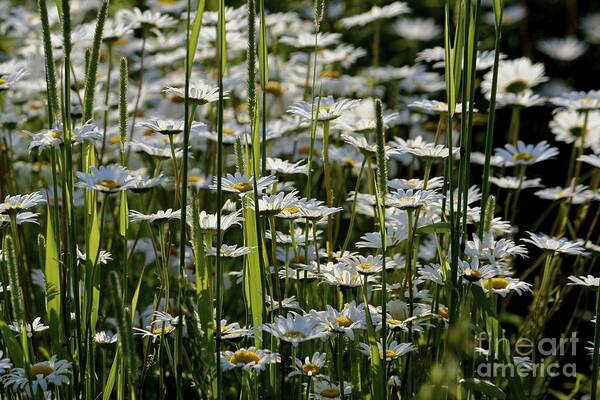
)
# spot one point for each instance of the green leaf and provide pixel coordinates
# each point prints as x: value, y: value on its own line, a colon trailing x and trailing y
x: 123, y: 214
x: 485, y: 387
x: 14, y: 349
x: 53, y: 289
x: 112, y: 376
x: 263, y: 60
x: 195, y: 34
x: 438, y: 227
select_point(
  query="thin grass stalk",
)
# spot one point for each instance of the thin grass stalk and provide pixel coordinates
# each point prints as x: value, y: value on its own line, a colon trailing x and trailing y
x: 92, y: 66
x: 381, y: 194
x: 470, y: 86
x: 596, y: 357
x: 489, y: 133
x: 221, y: 37
x: 51, y: 91
x: 183, y: 200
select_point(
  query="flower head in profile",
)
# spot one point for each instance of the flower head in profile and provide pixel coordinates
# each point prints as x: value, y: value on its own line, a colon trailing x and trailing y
x: 324, y: 389
x: 578, y: 101
x: 159, y: 217
x: 554, y: 245
x: 589, y: 281
x: 106, y: 179
x: 168, y: 126
x: 526, y: 154
x: 147, y: 19
x: 393, y: 350
x: 43, y: 375
x: 21, y: 202
x: 562, y: 49
x: 376, y: 13
x: 243, y: 185
x: 247, y: 359
x: 198, y: 93
x: 417, y: 29
x: 324, y: 108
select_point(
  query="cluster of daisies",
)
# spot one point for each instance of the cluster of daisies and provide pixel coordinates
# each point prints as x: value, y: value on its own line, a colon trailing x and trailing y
x: 326, y: 234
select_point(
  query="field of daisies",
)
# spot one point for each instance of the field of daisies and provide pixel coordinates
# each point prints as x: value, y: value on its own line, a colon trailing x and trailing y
x: 250, y: 199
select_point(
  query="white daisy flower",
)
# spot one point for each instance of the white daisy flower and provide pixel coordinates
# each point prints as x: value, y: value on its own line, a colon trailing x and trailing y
x: 311, y: 366
x: 376, y: 13
x: 526, y: 154
x: 248, y: 359
x: 589, y: 280
x: 198, y: 93
x: 106, y: 179
x: 578, y: 101
x: 325, y: 108
x: 514, y: 183
x: 417, y: 29
x: 105, y: 337
x: 168, y: 126
x: 561, y: 245
x: 502, y: 286
x: 242, y: 184
x: 284, y: 167
x: 591, y: 159
x: 515, y: 77
x: 562, y: 49
x: 568, y: 127
x: 21, y: 202
x: 43, y: 375
x: 159, y: 217
x: 344, y: 322
x: 393, y: 350
x: 295, y: 328
x: 324, y: 389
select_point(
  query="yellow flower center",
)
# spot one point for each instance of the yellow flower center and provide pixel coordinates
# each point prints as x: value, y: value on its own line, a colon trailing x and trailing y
x: 497, y: 283
x: 343, y: 321
x: 394, y: 322
x: 328, y: 73
x: 294, y: 335
x: 330, y: 393
x: 275, y: 88
x: 310, y: 369
x: 115, y: 140
x: 244, y: 357
x: 390, y: 354
x: 109, y: 183
x: 228, y: 131
x: 158, y: 330
x: 56, y: 134
x: 290, y: 210
x: 193, y: 179
x: 516, y: 87
x: 324, y: 108
x: 526, y: 156
x: 16, y: 206
x: 242, y: 186
x: 366, y: 266
x: 121, y: 41
x: 443, y: 311
x: 349, y: 160
x: 577, y: 131
x: 41, y: 369
x: 3, y: 81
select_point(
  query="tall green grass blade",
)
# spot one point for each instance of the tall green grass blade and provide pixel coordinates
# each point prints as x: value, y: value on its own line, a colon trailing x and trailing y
x: 195, y: 34
x: 53, y: 287
x: 92, y: 67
